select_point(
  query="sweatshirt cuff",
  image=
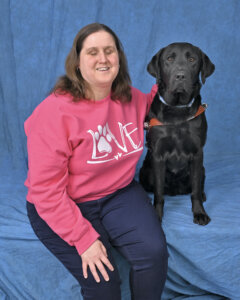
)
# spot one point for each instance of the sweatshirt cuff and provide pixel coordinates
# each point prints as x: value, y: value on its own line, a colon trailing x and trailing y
x: 86, y: 241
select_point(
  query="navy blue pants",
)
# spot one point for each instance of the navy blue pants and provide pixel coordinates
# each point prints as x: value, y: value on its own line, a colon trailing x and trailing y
x: 127, y: 221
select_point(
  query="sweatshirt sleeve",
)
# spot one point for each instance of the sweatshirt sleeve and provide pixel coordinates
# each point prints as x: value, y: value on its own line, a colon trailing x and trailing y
x: 151, y: 96
x: 49, y: 150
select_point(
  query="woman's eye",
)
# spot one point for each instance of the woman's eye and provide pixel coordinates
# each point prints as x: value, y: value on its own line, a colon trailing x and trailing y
x: 109, y: 51
x: 93, y: 53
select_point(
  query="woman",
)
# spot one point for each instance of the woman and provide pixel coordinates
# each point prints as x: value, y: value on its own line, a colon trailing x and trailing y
x: 84, y: 141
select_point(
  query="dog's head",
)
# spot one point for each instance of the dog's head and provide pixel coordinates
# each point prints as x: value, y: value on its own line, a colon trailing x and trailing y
x: 177, y: 68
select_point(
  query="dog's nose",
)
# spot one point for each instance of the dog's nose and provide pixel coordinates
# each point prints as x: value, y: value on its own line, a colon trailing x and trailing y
x: 180, y: 76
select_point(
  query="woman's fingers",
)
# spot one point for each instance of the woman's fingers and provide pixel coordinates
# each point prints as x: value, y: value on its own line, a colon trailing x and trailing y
x: 104, y: 249
x: 102, y: 270
x: 106, y: 261
x: 93, y: 270
x: 95, y: 257
x: 84, y: 268
x: 99, y: 264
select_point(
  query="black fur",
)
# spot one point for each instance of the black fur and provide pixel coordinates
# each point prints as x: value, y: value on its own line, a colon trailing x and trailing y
x: 174, y: 161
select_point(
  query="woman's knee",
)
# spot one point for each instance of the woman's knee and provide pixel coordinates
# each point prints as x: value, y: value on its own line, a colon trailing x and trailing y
x: 155, y: 250
x: 158, y: 249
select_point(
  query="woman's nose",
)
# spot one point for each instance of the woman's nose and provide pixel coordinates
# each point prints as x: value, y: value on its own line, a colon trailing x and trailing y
x: 102, y: 57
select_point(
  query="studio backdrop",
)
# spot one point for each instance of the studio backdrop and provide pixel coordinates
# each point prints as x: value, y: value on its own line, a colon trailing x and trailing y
x: 35, y: 38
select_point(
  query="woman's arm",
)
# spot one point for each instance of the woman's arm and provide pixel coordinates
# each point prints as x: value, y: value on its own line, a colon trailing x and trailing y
x: 49, y: 151
x: 150, y: 96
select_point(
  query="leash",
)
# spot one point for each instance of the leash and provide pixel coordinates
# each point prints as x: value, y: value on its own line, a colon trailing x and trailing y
x: 155, y: 122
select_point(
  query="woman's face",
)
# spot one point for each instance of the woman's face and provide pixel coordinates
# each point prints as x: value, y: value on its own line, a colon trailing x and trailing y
x: 99, y: 61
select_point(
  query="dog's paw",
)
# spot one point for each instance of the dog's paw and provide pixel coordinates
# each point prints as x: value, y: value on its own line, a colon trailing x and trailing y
x: 201, y: 219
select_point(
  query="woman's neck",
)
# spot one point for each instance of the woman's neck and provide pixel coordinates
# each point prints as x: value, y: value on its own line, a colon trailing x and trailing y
x: 98, y: 93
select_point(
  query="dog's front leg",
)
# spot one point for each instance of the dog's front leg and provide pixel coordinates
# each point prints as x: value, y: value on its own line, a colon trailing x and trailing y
x: 159, y: 170
x: 199, y: 213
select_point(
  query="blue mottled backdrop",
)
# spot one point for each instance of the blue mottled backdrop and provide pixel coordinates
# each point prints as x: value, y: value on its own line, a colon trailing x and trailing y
x: 35, y: 37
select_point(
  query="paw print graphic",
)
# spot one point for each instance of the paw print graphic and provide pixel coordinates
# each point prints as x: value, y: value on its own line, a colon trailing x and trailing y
x: 103, y: 140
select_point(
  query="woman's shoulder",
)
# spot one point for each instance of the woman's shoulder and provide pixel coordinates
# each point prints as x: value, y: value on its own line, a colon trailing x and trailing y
x: 53, y: 105
x: 136, y: 93
x: 50, y: 110
x: 54, y: 101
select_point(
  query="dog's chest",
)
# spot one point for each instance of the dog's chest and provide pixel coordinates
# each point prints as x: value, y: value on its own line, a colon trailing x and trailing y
x: 178, y: 142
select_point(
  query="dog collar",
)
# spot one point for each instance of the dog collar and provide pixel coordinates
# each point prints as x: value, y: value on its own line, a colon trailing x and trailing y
x: 177, y: 106
x: 155, y: 122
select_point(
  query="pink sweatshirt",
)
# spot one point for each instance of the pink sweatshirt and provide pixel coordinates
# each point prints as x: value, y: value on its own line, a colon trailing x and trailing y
x: 81, y: 152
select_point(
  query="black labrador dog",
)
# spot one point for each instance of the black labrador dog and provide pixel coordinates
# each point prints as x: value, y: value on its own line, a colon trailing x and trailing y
x: 177, y: 128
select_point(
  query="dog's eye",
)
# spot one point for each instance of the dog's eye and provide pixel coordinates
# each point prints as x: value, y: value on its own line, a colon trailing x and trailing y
x: 191, y: 59
x: 170, y: 58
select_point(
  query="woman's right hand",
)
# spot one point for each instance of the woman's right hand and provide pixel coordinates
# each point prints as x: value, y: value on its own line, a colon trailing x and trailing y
x: 95, y: 257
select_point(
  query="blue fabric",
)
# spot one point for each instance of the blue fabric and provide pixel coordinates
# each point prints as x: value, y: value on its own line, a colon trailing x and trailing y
x: 35, y: 37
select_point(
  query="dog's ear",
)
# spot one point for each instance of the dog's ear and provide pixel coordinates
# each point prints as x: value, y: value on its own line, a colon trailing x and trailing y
x: 207, y: 67
x: 153, y: 66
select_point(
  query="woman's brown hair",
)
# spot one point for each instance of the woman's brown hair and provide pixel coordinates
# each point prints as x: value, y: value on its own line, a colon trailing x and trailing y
x: 73, y: 81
